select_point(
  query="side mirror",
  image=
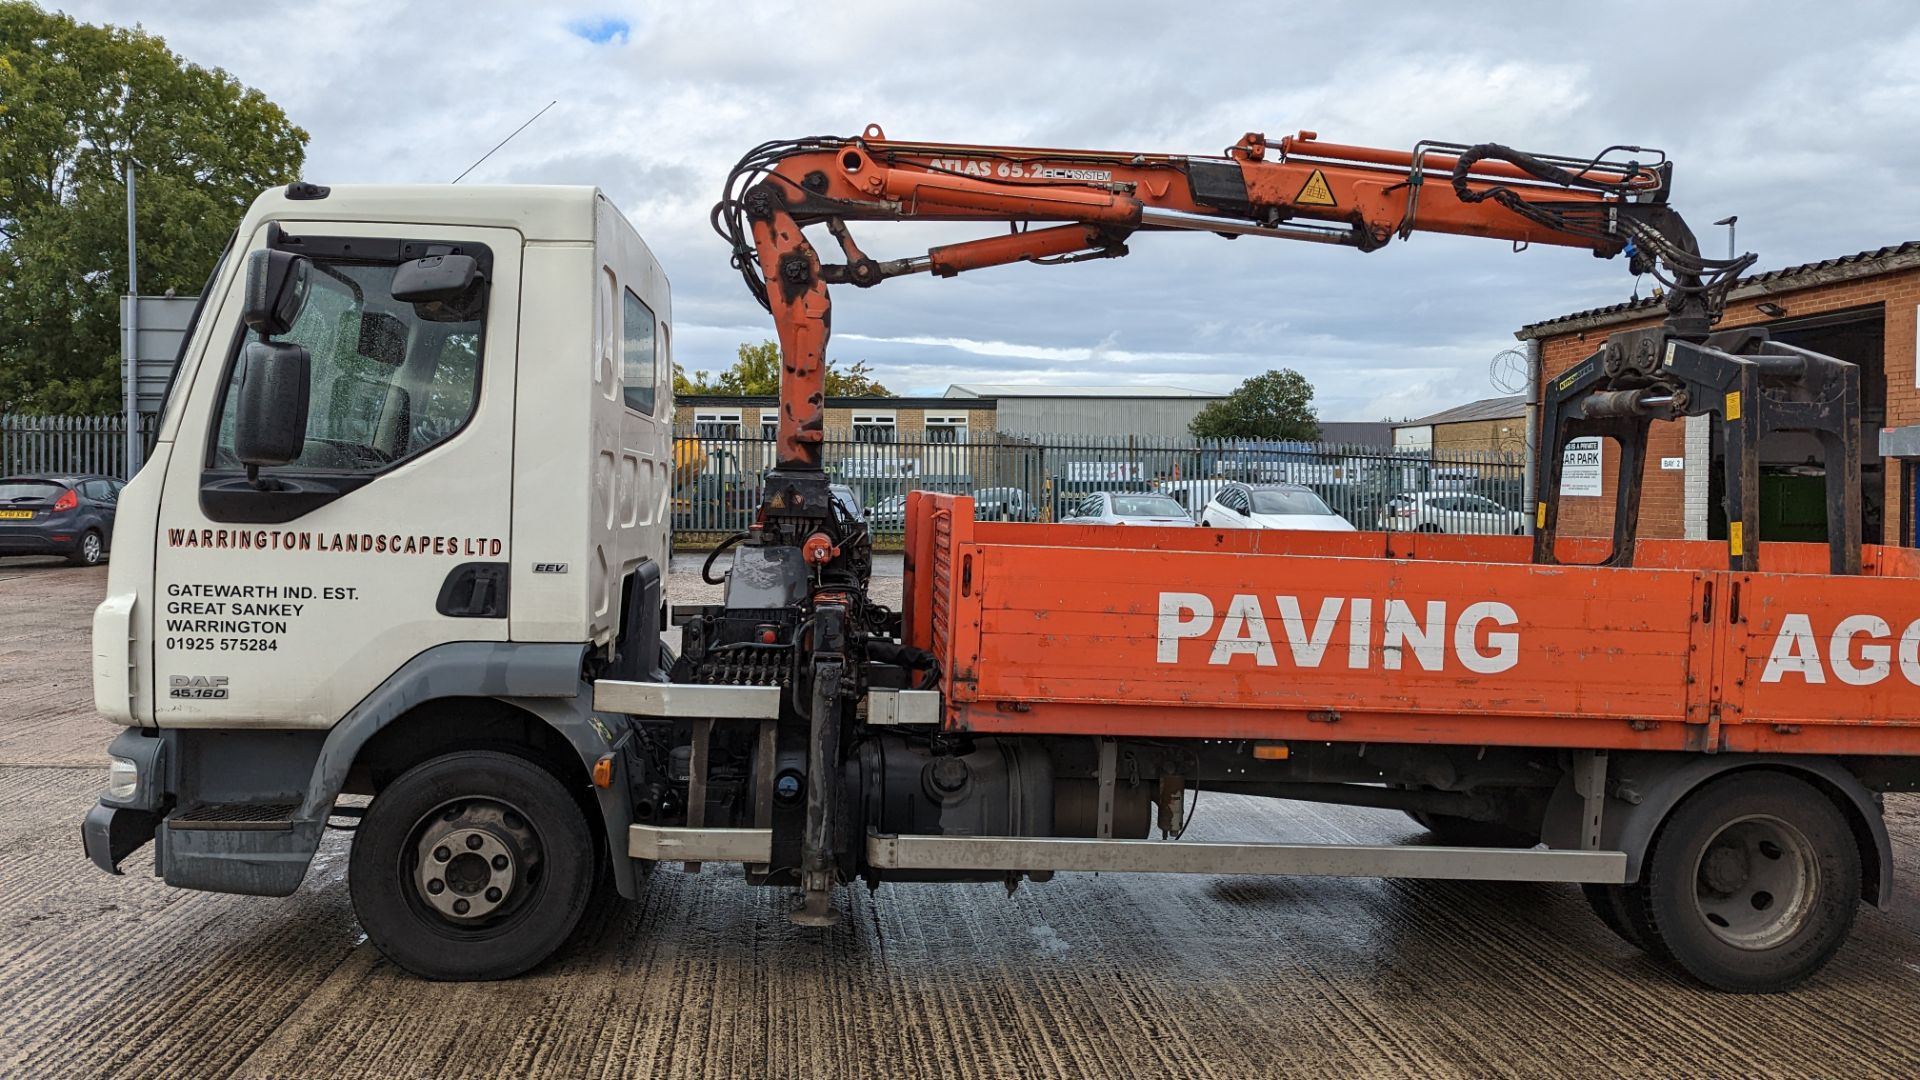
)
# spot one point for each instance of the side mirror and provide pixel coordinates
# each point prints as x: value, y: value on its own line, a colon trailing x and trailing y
x: 276, y: 290
x: 435, y: 279
x: 270, y: 413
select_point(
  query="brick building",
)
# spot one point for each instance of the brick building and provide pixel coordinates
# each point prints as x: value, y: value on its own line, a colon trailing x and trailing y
x: 1491, y: 425
x: 1860, y: 308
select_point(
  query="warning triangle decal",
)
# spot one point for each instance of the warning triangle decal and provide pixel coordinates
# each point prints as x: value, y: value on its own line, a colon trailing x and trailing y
x: 1315, y: 192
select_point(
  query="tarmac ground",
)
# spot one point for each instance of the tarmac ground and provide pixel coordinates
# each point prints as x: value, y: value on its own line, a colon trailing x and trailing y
x: 1096, y: 976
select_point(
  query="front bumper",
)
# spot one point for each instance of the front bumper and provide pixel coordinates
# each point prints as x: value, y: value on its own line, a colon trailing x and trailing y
x: 111, y: 833
x: 115, y: 828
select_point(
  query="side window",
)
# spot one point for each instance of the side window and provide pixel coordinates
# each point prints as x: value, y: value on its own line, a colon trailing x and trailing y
x: 637, y: 353
x: 389, y: 379
x: 93, y: 490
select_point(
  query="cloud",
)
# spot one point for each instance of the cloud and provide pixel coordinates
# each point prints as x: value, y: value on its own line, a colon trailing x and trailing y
x: 1799, y: 122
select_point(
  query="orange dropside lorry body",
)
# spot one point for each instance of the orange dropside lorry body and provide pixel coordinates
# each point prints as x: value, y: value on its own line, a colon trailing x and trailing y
x: 1409, y: 638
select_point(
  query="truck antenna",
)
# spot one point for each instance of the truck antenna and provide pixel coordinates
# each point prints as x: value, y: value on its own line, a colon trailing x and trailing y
x: 508, y: 139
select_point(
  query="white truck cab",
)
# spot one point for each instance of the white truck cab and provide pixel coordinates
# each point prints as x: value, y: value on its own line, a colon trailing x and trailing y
x: 366, y: 495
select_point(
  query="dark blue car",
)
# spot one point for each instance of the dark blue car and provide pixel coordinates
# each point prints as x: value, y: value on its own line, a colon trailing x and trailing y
x: 58, y: 515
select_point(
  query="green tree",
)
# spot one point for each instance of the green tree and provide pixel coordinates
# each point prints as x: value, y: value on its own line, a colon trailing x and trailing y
x: 76, y: 101
x: 1276, y: 405
x: 756, y: 373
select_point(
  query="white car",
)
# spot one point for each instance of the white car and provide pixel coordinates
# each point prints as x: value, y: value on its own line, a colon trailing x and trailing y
x: 1128, y: 508
x: 1450, y: 512
x: 1192, y: 495
x: 1271, y: 506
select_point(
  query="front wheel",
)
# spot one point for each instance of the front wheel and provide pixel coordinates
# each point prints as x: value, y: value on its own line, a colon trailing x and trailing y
x: 472, y: 866
x: 1752, y: 884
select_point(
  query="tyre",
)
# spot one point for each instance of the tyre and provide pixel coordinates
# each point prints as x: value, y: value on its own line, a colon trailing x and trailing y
x: 1429, y: 527
x: 1752, y: 884
x: 472, y: 866
x: 1466, y: 832
x: 1609, y: 903
x: 90, y: 551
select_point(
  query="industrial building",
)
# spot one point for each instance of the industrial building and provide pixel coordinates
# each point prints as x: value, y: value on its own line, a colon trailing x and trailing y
x: 1860, y: 308
x: 1148, y: 411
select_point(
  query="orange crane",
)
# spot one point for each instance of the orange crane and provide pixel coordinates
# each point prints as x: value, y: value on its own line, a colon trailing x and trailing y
x: 1298, y: 188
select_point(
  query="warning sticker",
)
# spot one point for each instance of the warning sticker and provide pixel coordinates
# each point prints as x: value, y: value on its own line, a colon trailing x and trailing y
x: 1315, y: 192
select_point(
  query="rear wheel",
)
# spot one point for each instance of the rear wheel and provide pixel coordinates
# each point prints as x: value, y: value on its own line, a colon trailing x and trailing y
x: 1429, y: 527
x: 1752, y: 884
x: 90, y: 551
x: 472, y: 866
x: 1609, y: 903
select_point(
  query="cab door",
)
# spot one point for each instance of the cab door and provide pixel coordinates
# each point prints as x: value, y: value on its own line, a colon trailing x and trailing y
x: 284, y: 599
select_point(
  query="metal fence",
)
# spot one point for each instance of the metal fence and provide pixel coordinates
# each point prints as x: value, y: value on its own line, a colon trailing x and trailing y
x: 1044, y: 477
x: 69, y: 444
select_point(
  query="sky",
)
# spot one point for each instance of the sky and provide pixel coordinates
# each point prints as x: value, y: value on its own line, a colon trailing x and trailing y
x: 1799, y: 118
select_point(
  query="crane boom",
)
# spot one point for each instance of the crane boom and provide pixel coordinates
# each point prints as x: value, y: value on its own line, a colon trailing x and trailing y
x: 1073, y: 205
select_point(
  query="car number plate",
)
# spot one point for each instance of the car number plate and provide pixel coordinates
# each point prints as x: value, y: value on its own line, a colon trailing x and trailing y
x: 15, y: 515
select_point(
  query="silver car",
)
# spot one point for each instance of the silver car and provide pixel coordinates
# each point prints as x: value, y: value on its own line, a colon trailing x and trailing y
x: 1128, y: 508
x: 1450, y: 512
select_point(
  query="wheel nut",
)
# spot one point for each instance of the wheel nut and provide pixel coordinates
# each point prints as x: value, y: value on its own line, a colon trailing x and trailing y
x: 474, y: 841
x: 499, y: 862
x: 436, y: 886
x: 493, y: 896
x: 460, y: 907
x: 441, y: 854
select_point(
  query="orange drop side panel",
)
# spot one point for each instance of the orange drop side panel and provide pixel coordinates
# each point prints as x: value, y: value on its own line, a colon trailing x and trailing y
x: 1371, y: 637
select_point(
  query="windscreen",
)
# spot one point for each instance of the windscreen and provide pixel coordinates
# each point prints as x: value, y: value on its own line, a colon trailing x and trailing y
x: 387, y: 383
x: 1282, y: 501
x: 1147, y: 506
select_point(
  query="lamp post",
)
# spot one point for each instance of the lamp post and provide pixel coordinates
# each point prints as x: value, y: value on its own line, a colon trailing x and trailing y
x: 1729, y: 221
x: 130, y: 363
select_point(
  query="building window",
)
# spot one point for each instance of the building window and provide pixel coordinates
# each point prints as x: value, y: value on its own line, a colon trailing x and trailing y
x: 873, y: 427
x: 717, y: 424
x: 947, y: 429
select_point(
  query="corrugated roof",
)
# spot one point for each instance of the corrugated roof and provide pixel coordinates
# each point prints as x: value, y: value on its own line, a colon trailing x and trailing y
x: 1040, y: 390
x: 1845, y: 267
x: 1496, y: 408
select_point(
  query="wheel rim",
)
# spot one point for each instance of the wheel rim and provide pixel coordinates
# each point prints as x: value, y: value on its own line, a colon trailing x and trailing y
x: 473, y: 864
x: 90, y: 548
x: 1756, y: 882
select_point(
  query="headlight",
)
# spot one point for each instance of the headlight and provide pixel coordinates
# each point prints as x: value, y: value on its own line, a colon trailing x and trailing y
x: 123, y: 778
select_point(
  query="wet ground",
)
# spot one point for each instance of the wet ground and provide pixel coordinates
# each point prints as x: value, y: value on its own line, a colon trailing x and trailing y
x: 1103, y: 976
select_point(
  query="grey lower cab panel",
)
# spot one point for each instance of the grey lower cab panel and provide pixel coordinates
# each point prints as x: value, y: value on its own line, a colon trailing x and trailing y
x: 1014, y: 854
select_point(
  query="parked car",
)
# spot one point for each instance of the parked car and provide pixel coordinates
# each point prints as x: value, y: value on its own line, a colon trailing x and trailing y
x: 1004, y: 504
x: 1129, y: 508
x: 889, y: 513
x: 1450, y: 512
x: 847, y: 501
x: 58, y: 515
x: 1271, y: 506
x: 1192, y: 495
